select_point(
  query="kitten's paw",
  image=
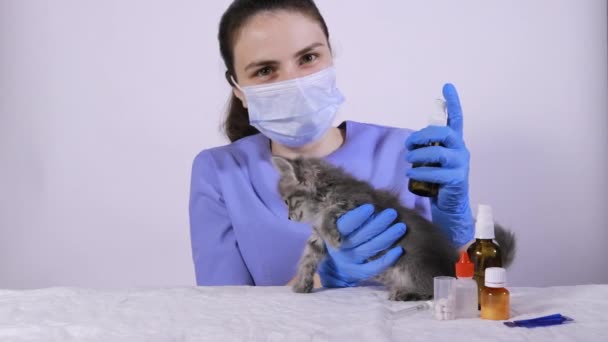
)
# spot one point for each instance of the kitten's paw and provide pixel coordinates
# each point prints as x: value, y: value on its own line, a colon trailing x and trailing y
x: 408, y: 296
x: 302, y: 286
x: 334, y: 239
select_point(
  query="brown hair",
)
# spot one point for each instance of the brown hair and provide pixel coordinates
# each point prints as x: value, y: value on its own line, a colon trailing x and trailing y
x: 236, y: 124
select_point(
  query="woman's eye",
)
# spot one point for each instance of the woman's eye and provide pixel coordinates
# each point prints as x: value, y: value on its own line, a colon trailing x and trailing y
x: 264, y: 72
x: 308, y: 58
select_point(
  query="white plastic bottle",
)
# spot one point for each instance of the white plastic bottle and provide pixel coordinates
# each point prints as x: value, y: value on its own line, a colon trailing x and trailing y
x: 465, y: 289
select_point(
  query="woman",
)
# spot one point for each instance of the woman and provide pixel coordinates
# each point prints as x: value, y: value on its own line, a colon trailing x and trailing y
x: 279, y: 64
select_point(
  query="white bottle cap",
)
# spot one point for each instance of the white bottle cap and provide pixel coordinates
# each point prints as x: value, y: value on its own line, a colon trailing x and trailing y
x: 439, y: 116
x: 495, y: 277
x: 484, y: 225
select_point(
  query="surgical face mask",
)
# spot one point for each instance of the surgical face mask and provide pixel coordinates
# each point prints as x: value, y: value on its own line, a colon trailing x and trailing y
x: 294, y: 112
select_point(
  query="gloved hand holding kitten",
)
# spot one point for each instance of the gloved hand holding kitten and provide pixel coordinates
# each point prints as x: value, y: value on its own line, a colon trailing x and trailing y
x: 364, y: 236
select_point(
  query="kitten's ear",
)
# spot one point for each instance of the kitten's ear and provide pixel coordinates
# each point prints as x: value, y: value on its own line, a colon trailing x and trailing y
x: 285, y: 167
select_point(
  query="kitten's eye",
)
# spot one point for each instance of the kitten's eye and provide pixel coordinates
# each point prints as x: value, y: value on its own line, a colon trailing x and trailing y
x: 287, y: 203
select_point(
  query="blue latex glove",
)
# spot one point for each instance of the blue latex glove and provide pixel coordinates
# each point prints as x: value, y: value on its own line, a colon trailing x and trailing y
x: 450, y: 210
x: 363, y: 236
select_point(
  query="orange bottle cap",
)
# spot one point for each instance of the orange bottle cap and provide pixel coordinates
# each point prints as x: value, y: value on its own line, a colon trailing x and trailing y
x: 464, y: 266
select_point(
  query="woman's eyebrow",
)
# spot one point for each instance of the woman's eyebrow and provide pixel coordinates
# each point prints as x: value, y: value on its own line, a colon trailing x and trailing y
x: 275, y: 63
x: 261, y: 63
x: 308, y: 49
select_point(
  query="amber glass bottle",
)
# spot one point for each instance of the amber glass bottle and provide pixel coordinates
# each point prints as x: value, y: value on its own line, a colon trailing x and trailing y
x: 495, y: 298
x: 427, y: 189
x: 421, y: 188
x: 484, y: 252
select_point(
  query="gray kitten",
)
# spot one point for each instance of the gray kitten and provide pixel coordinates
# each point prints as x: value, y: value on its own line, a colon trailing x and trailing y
x: 317, y: 192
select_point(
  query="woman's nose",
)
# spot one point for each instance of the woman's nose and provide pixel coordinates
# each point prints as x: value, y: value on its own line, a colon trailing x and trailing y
x: 288, y: 73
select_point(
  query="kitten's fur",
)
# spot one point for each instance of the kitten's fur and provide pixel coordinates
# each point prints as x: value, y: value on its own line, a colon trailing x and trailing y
x: 318, y: 193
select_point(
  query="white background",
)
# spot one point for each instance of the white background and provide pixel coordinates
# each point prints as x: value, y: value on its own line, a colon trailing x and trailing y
x: 104, y: 104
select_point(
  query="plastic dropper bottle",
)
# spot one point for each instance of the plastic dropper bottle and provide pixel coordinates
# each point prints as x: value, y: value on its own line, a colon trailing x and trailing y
x: 466, y: 296
x: 495, y: 303
x: 426, y: 189
x: 484, y: 252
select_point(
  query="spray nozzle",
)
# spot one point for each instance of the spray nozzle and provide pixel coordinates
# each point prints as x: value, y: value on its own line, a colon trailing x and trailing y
x: 439, y: 116
x: 484, y: 225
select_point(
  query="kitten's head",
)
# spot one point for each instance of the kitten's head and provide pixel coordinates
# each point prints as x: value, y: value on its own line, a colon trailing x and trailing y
x: 301, y: 186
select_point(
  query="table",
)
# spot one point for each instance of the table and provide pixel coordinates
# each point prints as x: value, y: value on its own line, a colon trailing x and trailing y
x: 249, y: 313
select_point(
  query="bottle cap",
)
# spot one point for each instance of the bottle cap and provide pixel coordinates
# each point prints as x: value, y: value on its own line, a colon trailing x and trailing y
x: 439, y: 116
x: 495, y: 277
x: 464, y: 266
x: 484, y: 225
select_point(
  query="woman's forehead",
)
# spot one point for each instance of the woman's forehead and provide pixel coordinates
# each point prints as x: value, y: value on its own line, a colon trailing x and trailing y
x: 275, y: 36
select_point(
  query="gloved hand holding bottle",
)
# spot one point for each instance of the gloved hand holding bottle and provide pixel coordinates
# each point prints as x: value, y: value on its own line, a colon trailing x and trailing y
x: 450, y: 209
x: 363, y: 236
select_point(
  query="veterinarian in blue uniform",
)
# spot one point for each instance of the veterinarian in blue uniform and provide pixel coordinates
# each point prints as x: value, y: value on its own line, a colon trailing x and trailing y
x: 279, y: 64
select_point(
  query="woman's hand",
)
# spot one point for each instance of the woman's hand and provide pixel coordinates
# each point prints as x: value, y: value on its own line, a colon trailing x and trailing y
x: 363, y: 235
x: 450, y: 210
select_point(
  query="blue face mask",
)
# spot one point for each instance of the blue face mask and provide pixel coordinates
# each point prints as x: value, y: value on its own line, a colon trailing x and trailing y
x: 294, y: 112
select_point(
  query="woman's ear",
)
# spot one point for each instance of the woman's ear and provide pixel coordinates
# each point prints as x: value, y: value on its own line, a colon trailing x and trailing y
x: 240, y: 96
x: 235, y: 90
